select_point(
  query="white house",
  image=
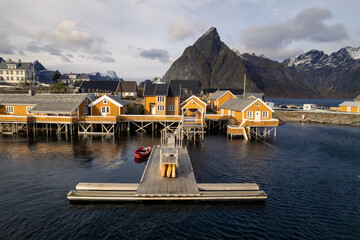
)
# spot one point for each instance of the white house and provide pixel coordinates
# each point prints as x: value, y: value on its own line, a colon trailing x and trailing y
x: 16, y: 73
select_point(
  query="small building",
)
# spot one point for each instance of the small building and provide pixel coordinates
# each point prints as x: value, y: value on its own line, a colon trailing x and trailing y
x: 108, y: 105
x: 193, y: 110
x: 44, y: 104
x: 128, y: 89
x: 215, y: 100
x: 247, y: 115
x: 161, y: 99
x: 188, y: 87
x: 101, y: 87
x: 309, y: 107
x: 16, y: 73
x: 351, y: 107
x: 357, y: 99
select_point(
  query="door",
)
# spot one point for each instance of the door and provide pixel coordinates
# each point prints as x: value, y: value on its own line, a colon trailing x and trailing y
x: 257, y: 115
x: 153, y: 109
x: 349, y: 109
x: 105, y: 111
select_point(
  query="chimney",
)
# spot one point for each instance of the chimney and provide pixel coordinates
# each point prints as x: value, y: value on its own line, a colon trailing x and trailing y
x: 9, y: 60
x: 31, y: 93
x: 19, y: 60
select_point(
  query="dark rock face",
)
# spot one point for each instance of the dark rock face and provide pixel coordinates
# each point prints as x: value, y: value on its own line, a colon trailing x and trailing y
x: 274, y: 79
x: 334, y: 75
x: 210, y: 60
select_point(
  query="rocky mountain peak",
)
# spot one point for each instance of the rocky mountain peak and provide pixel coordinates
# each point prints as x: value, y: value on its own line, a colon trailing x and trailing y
x: 209, y: 44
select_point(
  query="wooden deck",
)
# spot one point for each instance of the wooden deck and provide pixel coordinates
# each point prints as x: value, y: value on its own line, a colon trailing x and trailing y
x: 153, y: 184
x: 153, y: 187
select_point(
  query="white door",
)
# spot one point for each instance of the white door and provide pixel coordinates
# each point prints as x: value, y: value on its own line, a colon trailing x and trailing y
x: 153, y: 110
x: 349, y: 109
x: 257, y: 115
x: 105, y: 111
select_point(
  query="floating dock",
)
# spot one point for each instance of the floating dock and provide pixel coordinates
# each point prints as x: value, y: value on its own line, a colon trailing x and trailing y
x: 154, y: 187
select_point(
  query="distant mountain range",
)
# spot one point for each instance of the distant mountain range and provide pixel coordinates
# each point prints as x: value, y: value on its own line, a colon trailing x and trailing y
x: 313, y: 74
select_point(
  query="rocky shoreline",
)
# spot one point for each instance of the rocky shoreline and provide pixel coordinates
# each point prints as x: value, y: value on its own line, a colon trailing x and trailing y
x: 318, y: 117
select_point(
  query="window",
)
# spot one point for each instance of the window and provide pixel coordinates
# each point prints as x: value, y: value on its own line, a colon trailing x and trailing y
x: 17, y: 72
x: 105, y: 102
x: 12, y: 78
x: 17, y: 78
x: 160, y: 98
x: 265, y: 114
x: 7, y: 72
x: 233, y: 113
x: 86, y: 101
x: 249, y: 114
x: 1, y: 78
x: 222, y: 111
x: 171, y: 108
x: 105, y: 110
x: 0, y: 72
x: 28, y: 110
x: 86, y: 110
x: 161, y: 108
x: 9, y: 109
x: 7, y: 78
x: 257, y: 104
x: 11, y: 72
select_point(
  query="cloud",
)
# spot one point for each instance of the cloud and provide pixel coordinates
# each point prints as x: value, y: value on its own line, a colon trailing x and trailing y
x: 160, y: 54
x: 183, y: 28
x: 309, y: 24
x: 67, y: 34
x: 104, y: 58
x: 5, y: 46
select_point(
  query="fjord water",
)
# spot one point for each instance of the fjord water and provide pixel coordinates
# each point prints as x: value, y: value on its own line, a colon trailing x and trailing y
x: 311, y: 174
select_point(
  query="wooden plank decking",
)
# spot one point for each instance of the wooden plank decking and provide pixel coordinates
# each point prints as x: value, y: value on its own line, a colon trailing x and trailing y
x: 153, y: 184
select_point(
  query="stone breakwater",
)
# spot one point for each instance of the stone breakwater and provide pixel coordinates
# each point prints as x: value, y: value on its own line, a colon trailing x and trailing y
x: 318, y: 117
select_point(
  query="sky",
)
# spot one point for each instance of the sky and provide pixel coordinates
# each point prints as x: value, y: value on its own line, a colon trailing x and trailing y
x: 140, y: 39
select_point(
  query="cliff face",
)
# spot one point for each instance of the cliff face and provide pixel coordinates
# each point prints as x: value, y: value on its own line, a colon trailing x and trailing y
x: 210, y: 61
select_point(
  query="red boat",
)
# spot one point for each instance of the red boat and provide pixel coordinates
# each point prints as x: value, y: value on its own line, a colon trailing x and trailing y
x: 142, y: 152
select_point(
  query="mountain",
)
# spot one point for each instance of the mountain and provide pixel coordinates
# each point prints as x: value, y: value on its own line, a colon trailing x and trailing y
x: 274, y: 79
x: 109, y: 76
x: 1, y: 60
x: 44, y: 75
x: 212, y: 62
x: 334, y: 75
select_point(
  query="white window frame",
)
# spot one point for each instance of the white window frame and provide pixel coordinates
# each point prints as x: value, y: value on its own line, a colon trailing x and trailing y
x: 257, y: 104
x: 161, y: 99
x: 28, y: 110
x: 161, y: 108
x: 265, y: 114
x: 233, y: 113
x: 105, y: 109
x: 105, y: 101
x: 171, y: 108
x: 249, y: 114
x: 85, y: 110
x: 9, y: 109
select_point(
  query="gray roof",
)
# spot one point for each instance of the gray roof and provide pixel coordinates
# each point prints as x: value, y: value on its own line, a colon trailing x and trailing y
x: 237, y: 104
x: 129, y: 86
x: 97, y: 85
x: 257, y: 95
x: 357, y: 98
x: 44, y: 103
x: 118, y: 100
x: 216, y: 95
x: 19, y: 65
x: 350, y: 104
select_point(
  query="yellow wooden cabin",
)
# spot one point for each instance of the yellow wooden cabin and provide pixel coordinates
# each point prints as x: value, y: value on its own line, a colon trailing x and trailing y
x: 193, y: 110
x: 218, y: 98
x: 161, y: 99
x: 108, y: 105
x: 70, y: 105
x: 350, y: 107
x: 247, y: 113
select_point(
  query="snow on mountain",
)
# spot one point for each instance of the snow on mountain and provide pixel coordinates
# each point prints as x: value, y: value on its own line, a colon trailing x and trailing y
x: 354, y: 52
x: 109, y: 75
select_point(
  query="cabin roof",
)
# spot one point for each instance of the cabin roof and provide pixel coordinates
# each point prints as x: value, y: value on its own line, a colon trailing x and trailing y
x: 357, y: 98
x: 45, y: 103
x: 237, y: 104
x: 162, y: 90
x: 218, y: 94
x: 256, y: 95
x: 103, y: 86
x: 350, y: 104
x: 129, y: 86
x: 112, y: 98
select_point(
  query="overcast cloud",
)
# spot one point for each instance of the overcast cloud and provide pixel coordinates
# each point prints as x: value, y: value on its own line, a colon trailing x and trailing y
x: 182, y: 28
x: 155, y: 54
x: 310, y: 24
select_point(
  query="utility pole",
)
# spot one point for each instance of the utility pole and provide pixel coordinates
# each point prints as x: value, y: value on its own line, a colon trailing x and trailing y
x: 244, y: 85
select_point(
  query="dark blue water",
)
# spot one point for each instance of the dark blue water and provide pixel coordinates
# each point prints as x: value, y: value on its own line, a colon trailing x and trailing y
x: 320, y: 102
x: 311, y: 176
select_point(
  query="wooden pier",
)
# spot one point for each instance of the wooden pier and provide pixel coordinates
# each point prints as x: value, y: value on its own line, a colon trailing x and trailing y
x: 153, y: 187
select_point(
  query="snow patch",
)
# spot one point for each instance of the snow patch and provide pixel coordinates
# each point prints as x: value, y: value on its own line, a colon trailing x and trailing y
x: 354, y: 52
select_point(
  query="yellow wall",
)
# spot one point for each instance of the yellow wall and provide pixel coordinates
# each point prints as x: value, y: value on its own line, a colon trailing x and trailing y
x: 96, y: 109
x: 352, y: 109
x: 18, y: 110
x: 217, y: 103
x: 203, y: 104
x: 167, y: 101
